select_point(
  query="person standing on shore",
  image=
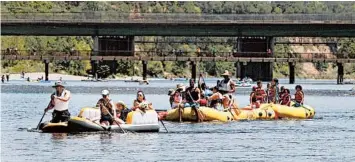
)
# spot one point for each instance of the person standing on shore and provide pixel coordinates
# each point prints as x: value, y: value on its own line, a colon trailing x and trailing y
x: 7, y: 77
x: 60, y: 103
x: 3, y: 78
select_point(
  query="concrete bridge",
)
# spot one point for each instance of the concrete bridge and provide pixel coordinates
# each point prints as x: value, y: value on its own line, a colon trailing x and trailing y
x: 251, y: 54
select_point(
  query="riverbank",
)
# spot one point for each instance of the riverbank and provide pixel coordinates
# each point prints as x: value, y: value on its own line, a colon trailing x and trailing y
x: 57, y: 76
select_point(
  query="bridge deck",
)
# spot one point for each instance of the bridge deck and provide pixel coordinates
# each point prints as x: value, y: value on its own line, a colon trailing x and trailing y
x: 180, y: 58
x: 177, y: 24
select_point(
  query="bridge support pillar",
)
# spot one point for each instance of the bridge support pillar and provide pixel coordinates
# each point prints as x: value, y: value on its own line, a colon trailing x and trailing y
x: 291, y: 66
x: 243, y: 70
x: 340, y: 77
x: 193, y: 70
x: 94, y: 69
x: 46, y: 69
x: 237, y: 69
x: 145, y: 65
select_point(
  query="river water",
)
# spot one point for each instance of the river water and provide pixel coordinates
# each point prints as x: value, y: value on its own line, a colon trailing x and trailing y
x: 328, y: 137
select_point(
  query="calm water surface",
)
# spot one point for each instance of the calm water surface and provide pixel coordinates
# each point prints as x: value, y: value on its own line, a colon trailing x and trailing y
x: 328, y: 137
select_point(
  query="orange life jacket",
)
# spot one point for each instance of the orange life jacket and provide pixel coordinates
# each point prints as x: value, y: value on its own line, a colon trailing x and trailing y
x: 285, y: 100
x: 299, y: 96
x: 259, y: 94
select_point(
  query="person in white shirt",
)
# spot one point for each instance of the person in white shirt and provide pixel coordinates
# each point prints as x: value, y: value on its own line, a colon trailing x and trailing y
x: 227, y: 88
x: 59, y: 102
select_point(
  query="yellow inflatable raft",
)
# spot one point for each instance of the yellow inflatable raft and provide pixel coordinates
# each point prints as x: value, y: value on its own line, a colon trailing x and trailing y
x: 303, y: 112
x: 189, y: 114
x: 265, y: 112
x: 210, y: 114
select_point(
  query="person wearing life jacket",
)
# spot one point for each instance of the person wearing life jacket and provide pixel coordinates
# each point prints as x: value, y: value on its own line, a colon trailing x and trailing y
x: 121, y: 111
x: 272, y: 94
x: 260, y: 93
x: 286, y: 98
x: 226, y: 87
x: 192, y: 95
x: 215, y: 99
x: 60, y: 103
x: 299, y: 96
x: 281, y: 93
x: 253, y: 101
x: 107, y: 108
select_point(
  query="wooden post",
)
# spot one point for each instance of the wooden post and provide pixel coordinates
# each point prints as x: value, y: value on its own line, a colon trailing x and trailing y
x: 193, y: 70
x: 46, y: 69
x: 145, y: 65
x: 291, y: 66
x: 340, y: 77
x: 237, y: 70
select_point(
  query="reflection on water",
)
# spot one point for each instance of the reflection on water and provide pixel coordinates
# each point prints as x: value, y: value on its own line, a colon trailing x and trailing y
x: 328, y: 137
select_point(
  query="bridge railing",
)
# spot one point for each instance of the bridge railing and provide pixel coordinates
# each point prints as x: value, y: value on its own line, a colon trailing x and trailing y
x: 116, y: 17
x: 89, y: 53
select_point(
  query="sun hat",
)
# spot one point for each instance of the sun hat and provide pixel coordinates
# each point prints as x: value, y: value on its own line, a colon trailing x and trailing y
x: 226, y: 73
x: 122, y: 103
x: 58, y: 84
x: 180, y: 86
x: 105, y: 92
x: 171, y: 91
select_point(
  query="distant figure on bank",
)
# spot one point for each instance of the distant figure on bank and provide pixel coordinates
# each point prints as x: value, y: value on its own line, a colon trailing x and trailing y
x: 7, y: 77
x: 3, y: 78
x: 22, y: 74
x: 60, y: 79
x: 60, y: 103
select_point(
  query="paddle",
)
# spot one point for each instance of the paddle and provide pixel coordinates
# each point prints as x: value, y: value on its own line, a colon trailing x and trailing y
x: 195, y: 108
x: 114, y: 119
x: 41, y: 120
x: 45, y: 111
x: 229, y: 108
x: 180, y: 112
x: 164, y: 126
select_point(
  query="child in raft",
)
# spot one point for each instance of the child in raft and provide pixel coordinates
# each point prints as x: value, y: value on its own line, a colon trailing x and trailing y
x: 253, y: 101
x: 286, y: 97
x: 299, y: 96
x: 176, y: 97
